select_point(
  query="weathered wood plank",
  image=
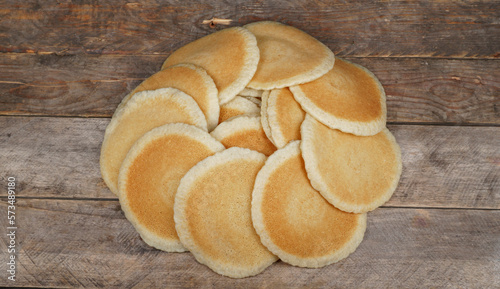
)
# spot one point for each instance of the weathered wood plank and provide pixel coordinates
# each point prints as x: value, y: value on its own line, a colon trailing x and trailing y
x: 443, y: 166
x: 354, y: 28
x: 418, y: 90
x: 91, y: 244
x: 53, y: 157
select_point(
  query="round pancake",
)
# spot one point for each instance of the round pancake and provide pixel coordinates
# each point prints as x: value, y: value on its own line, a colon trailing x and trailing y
x: 354, y: 173
x: 247, y: 91
x: 213, y: 216
x: 285, y: 116
x: 245, y: 132
x: 294, y: 221
x: 150, y: 175
x: 238, y: 106
x: 230, y: 57
x: 143, y: 112
x: 349, y: 98
x: 288, y: 56
x: 264, y: 117
x: 190, y: 79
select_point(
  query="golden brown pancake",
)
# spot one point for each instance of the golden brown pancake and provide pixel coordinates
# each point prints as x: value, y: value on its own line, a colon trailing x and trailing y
x: 288, y: 56
x: 238, y: 106
x: 189, y: 79
x: 143, y: 112
x: 245, y: 132
x: 349, y: 98
x: 284, y: 116
x: 230, y: 57
x: 213, y: 215
x: 354, y: 173
x: 150, y: 175
x: 294, y: 221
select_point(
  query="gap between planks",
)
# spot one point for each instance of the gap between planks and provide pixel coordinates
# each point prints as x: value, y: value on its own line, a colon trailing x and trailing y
x: 4, y: 198
x: 401, y: 123
x: 399, y: 57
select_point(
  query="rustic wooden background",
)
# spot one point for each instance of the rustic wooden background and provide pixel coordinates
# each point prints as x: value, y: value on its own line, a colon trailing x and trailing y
x: 65, y: 65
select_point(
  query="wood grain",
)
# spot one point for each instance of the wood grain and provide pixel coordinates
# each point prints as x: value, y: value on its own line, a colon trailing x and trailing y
x: 354, y: 28
x: 418, y: 90
x: 91, y: 244
x: 443, y: 166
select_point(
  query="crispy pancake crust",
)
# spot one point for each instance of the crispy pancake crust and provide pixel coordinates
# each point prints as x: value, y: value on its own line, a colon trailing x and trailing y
x: 294, y: 221
x: 256, y: 100
x: 354, y: 173
x: 150, y: 175
x: 264, y: 117
x: 251, y: 92
x: 190, y: 79
x: 238, y: 106
x: 143, y: 112
x: 230, y: 57
x: 349, y: 98
x: 244, y: 131
x: 284, y: 116
x: 213, y: 215
x: 288, y: 56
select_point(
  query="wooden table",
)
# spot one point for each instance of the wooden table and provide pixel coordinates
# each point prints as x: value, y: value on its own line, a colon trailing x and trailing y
x: 65, y: 66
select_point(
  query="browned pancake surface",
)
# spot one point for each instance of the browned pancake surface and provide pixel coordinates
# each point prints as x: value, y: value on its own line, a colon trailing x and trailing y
x: 154, y: 177
x: 229, y: 56
x: 288, y: 56
x: 316, y: 228
x: 354, y: 173
x: 347, y: 92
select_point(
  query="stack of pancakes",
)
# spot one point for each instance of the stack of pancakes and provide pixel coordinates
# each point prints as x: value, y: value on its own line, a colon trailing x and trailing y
x: 253, y: 144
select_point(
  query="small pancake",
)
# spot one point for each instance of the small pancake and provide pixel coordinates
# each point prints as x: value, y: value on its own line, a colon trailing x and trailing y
x: 294, y: 221
x: 230, y: 57
x: 354, y: 173
x: 150, y: 175
x: 238, y: 106
x: 245, y: 132
x: 191, y: 80
x: 264, y: 117
x: 285, y: 116
x: 288, y: 56
x: 349, y: 98
x: 213, y: 215
x: 247, y: 91
x: 144, y: 111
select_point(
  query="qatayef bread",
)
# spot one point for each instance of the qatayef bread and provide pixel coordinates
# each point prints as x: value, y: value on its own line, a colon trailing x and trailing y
x: 186, y: 149
x: 150, y: 175
x: 143, y: 112
x: 230, y: 57
x: 245, y: 132
x: 349, y: 98
x: 288, y: 56
x: 354, y: 173
x: 191, y: 80
x: 213, y: 216
x: 284, y: 116
x: 294, y: 221
x: 238, y: 106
